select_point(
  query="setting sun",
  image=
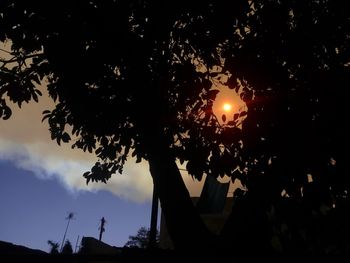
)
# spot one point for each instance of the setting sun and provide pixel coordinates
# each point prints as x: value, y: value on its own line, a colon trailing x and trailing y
x: 227, y: 103
x: 227, y: 107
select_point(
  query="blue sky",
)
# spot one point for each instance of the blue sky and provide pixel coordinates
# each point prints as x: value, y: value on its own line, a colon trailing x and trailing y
x: 42, y: 182
x: 34, y: 210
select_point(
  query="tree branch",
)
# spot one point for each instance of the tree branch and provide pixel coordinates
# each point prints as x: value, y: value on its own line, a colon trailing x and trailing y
x: 4, y: 50
x: 22, y: 58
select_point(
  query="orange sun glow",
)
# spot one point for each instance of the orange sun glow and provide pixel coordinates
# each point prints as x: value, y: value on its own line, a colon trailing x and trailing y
x: 227, y: 107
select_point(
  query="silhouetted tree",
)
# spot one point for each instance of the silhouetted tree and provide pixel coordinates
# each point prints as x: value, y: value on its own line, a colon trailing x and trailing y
x: 67, y: 248
x: 54, y: 246
x: 141, y: 239
x: 142, y: 86
x: 136, y: 78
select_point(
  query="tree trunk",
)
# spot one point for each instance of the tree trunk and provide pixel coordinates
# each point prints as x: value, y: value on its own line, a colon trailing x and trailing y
x: 185, y: 227
x: 154, y: 216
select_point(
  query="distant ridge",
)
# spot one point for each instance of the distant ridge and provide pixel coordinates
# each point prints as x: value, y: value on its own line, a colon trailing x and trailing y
x: 7, y: 248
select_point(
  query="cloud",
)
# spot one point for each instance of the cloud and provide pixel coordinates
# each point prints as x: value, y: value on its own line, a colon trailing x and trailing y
x: 25, y: 141
x: 48, y: 161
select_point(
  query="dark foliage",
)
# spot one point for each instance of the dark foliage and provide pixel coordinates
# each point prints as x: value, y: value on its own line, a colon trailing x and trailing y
x: 67, y: 248
x: 134, y: 78
x: 141, y: 239
x: 54, y: 247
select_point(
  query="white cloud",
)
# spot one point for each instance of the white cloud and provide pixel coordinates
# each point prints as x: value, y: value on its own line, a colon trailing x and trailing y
x: 25, y: 141
x: 50, y: 162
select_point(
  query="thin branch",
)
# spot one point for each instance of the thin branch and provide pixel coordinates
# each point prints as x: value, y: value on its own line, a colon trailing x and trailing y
x: 6, y: 51
x: 17, y: 59
x: 4, y: 70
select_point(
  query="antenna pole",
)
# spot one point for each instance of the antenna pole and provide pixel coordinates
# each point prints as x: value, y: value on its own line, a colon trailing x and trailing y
x: 102, y: 227
x: 70, y: 216
x: 76, y: 245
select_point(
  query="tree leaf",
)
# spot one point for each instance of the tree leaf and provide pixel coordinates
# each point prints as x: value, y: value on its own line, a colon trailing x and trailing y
x: 104, y: 141
x: 211, y: 95
x: 65, y: 137
x: 133, y: 153
x: 45, y: 117
x: 223, y: 117
x: 243, y: 113
x: 36, y: 79
x: 35, y: 97
x: 90, y: 148
x: 7, y: 112
x: 38, y: 92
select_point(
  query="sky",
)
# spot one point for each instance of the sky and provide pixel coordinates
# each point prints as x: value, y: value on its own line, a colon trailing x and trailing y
x: 34, y: 211
x: 42, y: 182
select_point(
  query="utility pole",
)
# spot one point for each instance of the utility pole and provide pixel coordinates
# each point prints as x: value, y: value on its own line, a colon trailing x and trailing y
x: 69, y: 218
x: 102, y: 227
x: 76, y: 245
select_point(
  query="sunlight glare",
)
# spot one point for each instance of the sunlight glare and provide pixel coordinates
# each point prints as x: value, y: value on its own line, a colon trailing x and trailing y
x: 227, y: 107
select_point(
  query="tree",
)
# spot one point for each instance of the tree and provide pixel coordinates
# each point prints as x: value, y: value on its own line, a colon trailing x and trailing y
x: 295, y: 62
x: 135, y: 78
x: 67, y: 248
x: 53, y: 247
x: 141, y: 239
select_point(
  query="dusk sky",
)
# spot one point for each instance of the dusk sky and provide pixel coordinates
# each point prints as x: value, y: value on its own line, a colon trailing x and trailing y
x: 42, y: 182
x: 34, y: 211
